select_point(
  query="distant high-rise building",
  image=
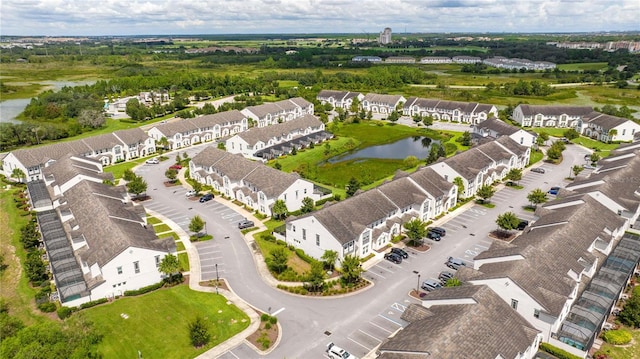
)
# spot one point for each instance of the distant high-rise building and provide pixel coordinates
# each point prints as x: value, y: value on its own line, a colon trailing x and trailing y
x: 385, y: 36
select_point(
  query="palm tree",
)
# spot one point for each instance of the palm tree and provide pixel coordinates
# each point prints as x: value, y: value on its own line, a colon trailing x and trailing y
x: 18, y: 174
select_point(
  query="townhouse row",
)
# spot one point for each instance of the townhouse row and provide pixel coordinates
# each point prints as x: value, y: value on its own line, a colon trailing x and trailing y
x: 583, y: 119
x: 98, y: 243
x: 558, y: 282
x: 369, y: 220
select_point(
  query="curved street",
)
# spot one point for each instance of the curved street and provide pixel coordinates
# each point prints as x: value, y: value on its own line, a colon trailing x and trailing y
x: 357, y: 322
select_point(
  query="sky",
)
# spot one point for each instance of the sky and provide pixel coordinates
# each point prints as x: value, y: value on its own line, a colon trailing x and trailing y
x: 367, y: 17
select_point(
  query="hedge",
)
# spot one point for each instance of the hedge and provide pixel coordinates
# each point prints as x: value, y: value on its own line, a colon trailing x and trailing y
x: 557, y: 352
x: 65, y: 312
x: 93, y: 303
x: 143, y: 290
x: 304, y: 256
x: 617, y: 337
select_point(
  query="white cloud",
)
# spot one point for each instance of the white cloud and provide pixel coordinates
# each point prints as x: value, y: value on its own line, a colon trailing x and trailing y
x: 118, y: 17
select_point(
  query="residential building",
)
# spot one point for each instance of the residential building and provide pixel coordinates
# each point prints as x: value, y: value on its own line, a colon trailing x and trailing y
x: 382, y: 104
x: 461, y: 322
x: 400, y: 60
x: 484, y: 164
x: 90, y: 261
x: 189, y: 131
x: 607, y: 128
x: 339, y: 99
x: 280, y: 111
x: 280, y: 138
x: 385, y: 36
x: 369, y: 220
x: 436, y: 60
x: 494, y: 128
x: 517, y: 64
x: 550, y: 116
x: 251, y: 183
x: 109, y: 148
x: 465, y: 112
x: 466, y: 59
x: 374, y: 59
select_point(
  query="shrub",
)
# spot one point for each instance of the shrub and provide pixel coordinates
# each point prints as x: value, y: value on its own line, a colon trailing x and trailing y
x: 93, y: 303
x: 267, y: 326
x: 264, y: 317
x: 557, y: 352
x: 47, y: 307
x: 269, y: 237
x: 143, y: 290
x: 617, y: 337
x: 65, y: 312
x: 304, y: 256
x: 273, y: 320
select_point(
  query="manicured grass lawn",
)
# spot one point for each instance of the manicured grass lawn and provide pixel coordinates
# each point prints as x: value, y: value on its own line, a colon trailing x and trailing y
x: 180, y: 246
x: 602, y: 148
x: 583, y: 66
x: 555, y: 132
x: 158, y: 323
x: 159, y: 228
x: 294, y: 262
x: 153, y: 220
x: 536, y: 156
x: 119, y: 168
x: 183, y: 259
x: 624, y: 351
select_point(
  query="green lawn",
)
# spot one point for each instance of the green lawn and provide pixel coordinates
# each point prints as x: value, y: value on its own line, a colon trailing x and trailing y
x: 536, y: 156
x: 183, y: 259
x: 555, y: 132
x: 624, y: 351
x: 180, y: 246
x: 153, y: 220
x: 158, y: 323
x: 119, y: 168
x: 159, y: 228
x: 583, y: 66
x: 602, y: 148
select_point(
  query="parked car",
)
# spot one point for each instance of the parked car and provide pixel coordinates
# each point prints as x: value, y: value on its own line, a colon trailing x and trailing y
x: 441, y: 231
x: 444, y: 276
x: 335, y: 352
x: 433, y: 235
x: 522, y: 225
x: 245, y: 223
x: 455, y: 263
x: 537, y: 170
x: 190, y: 193
x: 175, y: 167
x: 588, y: 166
x: 152, y: 161
x: 207, y: 197
x: 401, y: 252
x: 430, y: 284
x: 554, y: 191
x: 565, y: 140
x: 392, y: 257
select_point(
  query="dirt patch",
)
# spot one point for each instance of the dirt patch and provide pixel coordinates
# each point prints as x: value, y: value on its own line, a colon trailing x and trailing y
x: 141, y: 198
x: 421, y: 248
x: 222, y: 284
x: 266, y: 335
x: 171, y: 184
x: 502, y: 235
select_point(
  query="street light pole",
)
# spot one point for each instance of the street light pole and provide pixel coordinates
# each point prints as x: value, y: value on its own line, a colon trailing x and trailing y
x: 418, y: 286
x: 217, y: 278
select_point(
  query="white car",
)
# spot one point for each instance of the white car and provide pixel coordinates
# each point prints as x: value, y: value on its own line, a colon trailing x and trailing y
x: 152, y: 161
x: 190, y: 193
x: 335, y: 352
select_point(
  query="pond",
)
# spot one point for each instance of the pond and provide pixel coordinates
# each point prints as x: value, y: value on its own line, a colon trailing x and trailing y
x: 418, y: 146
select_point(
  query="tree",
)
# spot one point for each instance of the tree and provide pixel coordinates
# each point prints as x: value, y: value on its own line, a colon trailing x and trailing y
x: 460, y: 184
x: 576, y: 170
x: 316, y: 277
x: 594, y: 158
x: 351, y: 269
x: 18, y: 174
x: 91, y: 118
x: 571, y: 134
x: 34, y: 267
x: 329, y: 258
x: 163, y: 143
x: 199, y: 332
x: 465, y: 140
x: 128, y: 175
x: 308, y: 205
x: 507, y: 221
x: 279, y: 210
x: 415, y: 230
x: 197, y: 187
x: 427, y: 120
x: 278, y: 259
x: 485, y: 192
x: 539, y: 140
x: 169, y: 265
x: 555, y: 151
x: 612, y: 133
x: 536, y: 197
x: 417, y: 118
x: 453, y: 282
x: 355, y: 105
x: 352, y: 187
x: 514, y: 174
x: 630, y: 314
x: 137, y: 186
x: 393, y: 116
x: 196, y: 225
x: 171, y: 174
x: 434, y: 153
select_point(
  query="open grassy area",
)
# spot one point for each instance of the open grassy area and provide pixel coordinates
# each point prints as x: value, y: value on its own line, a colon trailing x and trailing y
x: 583, y: 66
x: 183, y: 259
x: 602, y: 148
x: 119, y: 168
x: 180, y: 246
x: 536, y: 156
x: 630, y: 351
x: 160, y: 228
x: 153, y: 220
x: 14, y: 285
x: 158, y: 323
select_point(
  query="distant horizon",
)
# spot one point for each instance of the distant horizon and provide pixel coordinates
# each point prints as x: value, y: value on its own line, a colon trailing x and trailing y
x: 90, y: 18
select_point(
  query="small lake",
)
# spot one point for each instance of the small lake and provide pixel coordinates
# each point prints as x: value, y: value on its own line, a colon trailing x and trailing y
x: 413, y: 146
x: 10, y: 109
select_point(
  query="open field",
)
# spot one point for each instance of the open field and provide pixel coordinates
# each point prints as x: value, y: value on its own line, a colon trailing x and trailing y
x: 157, y: 323
x: 584, y: 66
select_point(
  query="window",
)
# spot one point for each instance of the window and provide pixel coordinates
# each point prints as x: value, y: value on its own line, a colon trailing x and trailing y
x: 136, y: 267
x: 157, y: 261
x: 318, y: 240
x: 119, y: 270
x: 514, y: 304
x: 304, y: 234
x: 536, y: 313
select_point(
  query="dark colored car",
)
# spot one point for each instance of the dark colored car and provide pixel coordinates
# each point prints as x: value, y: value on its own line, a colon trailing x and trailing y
x: 401, y: 252
x: 245, y: 224
x: 522, y: 225
x: 537, y: 170
x: 444, y: 276
x: 433, y: 235
x: 207, y: 197
x: 441, y: 231
x: 554, y: 190
x: 392, y: 257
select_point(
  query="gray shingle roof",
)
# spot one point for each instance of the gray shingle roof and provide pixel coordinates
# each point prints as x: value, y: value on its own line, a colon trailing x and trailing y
x: 462, y: 330
x: 131, y: 136
x: 208, y: 156
x: 68, y: 167
x: 498, y: 126
x: 278, y: 130
x: 387, y: 100
x: 605, y: 121
x: 531, y: 110
x: 402, y: 192
x: 270, y: 181
x: 279, y: 107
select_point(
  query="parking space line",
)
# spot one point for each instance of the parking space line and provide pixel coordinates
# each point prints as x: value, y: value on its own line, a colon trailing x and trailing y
x: 369, y: 349
x: 399, y: 307
x: 391, y: 320
x: 365, y: 333
x: 235, y: 356
x: 379, y: 275
x: 378, y: 266
x: 379, y: 327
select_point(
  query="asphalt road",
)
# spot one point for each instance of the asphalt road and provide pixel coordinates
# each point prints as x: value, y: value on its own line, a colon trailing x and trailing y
x: 357, y: 322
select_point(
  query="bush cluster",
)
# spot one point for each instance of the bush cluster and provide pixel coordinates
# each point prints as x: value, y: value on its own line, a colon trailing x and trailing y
x: 143, y: 290
x: 557, y: 352
x: 617, y: 337
x: 93, y: 303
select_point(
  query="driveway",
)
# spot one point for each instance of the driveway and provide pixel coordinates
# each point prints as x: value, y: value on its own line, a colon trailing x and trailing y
x: 356, y: 322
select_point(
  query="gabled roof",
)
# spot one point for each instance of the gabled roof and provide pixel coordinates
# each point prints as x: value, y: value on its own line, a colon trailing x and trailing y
x: 461, y: 330
x: 402, y: 192
x: 605, y: 121
x: 531, y: 110
x: 387, y: 100
x: 107, y: 140
x: 270, y: 181
x: 264, y: 134
x: 235, y: 166
x: 498, y: 126
x: 68, y: 167
x: 208, y: 156
x: 221, y: 118
x: 131, y: 136
x: 431, y: 182
x: 275, y: 108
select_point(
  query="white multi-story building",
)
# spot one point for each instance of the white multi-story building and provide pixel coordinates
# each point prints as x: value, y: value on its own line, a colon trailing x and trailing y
x: 281, y: 111
x: 464, y: 112
x: 494, y: 128
x: 385, y: 36
x: 341, y: 99
x: 383, y: 104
